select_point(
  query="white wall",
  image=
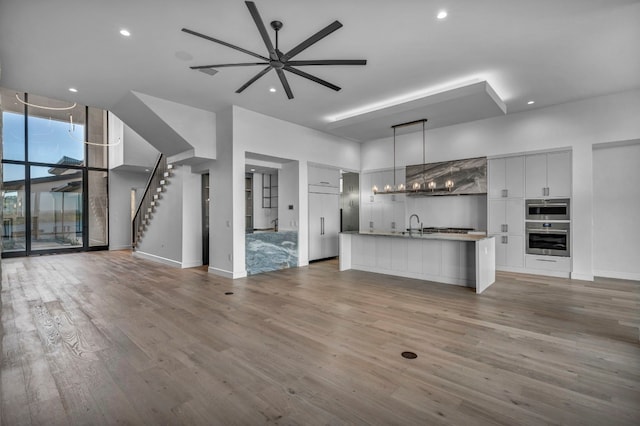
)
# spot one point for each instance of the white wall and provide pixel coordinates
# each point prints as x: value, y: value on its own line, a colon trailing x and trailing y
x: 577, y: 125
x: 120, y: 185
x: 196, y: 126
x: 616, y: 195
x: 466, y: 211
x: 132, y: 149
x: 224, y: 205
x: 288, y: 196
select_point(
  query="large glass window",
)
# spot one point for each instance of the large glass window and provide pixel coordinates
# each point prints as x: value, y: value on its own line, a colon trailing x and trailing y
x: 55, y: 135
x: 12, y: 126
x: 55, y: 175
x: 13, y: 208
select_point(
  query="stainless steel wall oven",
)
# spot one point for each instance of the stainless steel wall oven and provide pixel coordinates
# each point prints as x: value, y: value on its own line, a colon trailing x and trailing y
x: 550, y: 209
x: 548, y: 238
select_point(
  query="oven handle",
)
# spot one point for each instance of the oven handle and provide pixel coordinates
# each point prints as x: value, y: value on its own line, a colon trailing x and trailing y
x: 547, y: 231
x: 548, y: 205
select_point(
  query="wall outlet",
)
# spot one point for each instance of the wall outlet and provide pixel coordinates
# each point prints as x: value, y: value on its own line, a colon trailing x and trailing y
x: 290, y: 206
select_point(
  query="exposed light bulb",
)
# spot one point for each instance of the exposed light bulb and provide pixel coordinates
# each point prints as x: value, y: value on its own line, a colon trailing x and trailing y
x: 449, y: 184
x: 73, y: 89
x: 375, y: 189
x: 442, y: 14
x: 272, y: 90
x: 125, y: 32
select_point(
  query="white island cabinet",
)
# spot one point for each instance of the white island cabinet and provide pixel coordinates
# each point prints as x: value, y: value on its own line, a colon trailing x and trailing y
x: 459, y: 259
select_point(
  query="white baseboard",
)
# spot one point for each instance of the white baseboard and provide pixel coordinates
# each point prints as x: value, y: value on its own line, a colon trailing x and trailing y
x: 583, y: 277
x: 618, y: 275
x: 159, y: 259
x: 227, y: 274
x: 191, y: 264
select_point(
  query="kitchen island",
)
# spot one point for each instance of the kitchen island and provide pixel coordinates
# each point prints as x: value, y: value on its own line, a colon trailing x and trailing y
x: 459, y: 259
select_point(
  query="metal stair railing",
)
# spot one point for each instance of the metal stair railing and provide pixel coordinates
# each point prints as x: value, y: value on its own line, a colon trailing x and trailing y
x: 149, y: 199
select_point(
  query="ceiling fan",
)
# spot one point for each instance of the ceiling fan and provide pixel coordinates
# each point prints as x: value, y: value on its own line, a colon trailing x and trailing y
x: 277, y: 60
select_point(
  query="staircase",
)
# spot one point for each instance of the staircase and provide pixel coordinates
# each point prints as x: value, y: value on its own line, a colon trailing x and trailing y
x: 150, y: 199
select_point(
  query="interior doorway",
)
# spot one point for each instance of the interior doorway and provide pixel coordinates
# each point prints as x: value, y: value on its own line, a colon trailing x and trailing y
x: 205, y: 218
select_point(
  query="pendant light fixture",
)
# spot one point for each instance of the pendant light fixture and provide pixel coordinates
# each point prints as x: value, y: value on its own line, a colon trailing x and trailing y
x: 400, y: 188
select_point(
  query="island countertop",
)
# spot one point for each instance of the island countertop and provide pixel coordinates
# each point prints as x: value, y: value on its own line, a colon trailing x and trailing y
x: 425, y: 236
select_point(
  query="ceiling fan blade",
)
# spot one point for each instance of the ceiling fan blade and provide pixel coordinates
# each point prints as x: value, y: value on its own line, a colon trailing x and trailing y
x: 329, y: 62
x: 285, y: 83
x: 262, y: 29
x: 224, y: 43
x: 244, y: 64
x: 312, y: 78
x: 312, y: 40
x: 253, y: 80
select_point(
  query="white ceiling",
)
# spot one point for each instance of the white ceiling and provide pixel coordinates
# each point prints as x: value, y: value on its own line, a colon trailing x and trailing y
x: 549, y: 51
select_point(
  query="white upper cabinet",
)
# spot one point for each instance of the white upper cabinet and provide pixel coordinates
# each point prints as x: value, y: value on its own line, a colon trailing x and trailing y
x: 506, y: 177
x: 548, y: 175
x: 559, y: 174
x: 324, y: 176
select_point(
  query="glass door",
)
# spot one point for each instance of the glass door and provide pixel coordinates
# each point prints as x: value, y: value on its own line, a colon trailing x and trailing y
x: 56, y: 208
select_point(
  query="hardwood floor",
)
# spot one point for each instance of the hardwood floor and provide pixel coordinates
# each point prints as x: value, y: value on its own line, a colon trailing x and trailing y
x: 105, y: 338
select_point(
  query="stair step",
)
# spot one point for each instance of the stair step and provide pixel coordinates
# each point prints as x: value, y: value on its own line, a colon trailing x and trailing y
x: 169, y: 166
x: 167, y: 174
x: 156, y: 196
x: 163, y: 182
x: 159, y: 189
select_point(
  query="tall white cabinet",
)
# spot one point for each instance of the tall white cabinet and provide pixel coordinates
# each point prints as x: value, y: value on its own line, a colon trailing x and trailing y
x: 512, y: 180
x: 505, y: 203
x: 324, y: 212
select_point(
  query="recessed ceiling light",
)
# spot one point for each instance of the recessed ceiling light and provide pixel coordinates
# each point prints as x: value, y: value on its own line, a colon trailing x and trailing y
x: 125, y: 32
x: 531, y: 102
x: 253, y: 170
x: 73, y: 89
x: 272, y: 90
x: 442, y: 14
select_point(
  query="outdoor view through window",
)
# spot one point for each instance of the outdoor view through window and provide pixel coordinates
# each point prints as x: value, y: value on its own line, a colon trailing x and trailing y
x: 52, y: 199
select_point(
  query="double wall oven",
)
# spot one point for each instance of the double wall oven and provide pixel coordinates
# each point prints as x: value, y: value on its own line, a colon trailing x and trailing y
x: 548, y: 227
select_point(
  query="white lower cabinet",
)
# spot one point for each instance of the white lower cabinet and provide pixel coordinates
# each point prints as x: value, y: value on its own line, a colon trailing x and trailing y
x: 548, y: 263
x: 461, y: 262
x: 510, y: 251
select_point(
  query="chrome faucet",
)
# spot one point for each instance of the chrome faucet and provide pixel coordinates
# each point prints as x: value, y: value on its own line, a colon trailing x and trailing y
x: 417, y: 223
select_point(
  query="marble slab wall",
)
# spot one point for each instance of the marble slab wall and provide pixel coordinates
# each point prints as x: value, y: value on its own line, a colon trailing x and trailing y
x: 469, y: 176
x: 270, y: 251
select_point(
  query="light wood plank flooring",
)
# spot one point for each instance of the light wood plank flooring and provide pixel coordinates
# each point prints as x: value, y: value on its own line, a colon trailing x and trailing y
x: 104, y: 338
